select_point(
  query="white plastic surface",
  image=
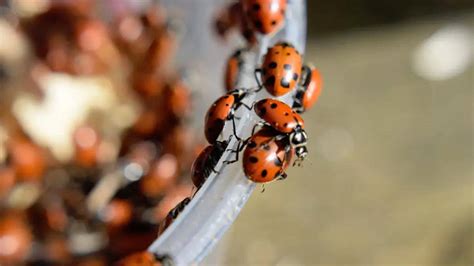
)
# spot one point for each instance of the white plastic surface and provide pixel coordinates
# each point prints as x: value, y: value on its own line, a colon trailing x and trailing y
x: 217, y: 204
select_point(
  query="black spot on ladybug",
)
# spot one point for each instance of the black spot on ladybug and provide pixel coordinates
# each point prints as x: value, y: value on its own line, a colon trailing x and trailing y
x: 262, y: 111
x: 287, y: 66
x: 287, y: 114
x: 277, y: 52
x: 285, y: 125
x: 273, y: 105
x: 264, y: 173
x: 256, y: 7
x: 274, y: 22
x: 270, y: 81
x: 252, y: 144
x: 295, y: 76
x: 226, y: 104
x: 258, y: 24
x: 288, y: 54
x: 253, y: 159
x: 284, y: 83
x: 272, y: 65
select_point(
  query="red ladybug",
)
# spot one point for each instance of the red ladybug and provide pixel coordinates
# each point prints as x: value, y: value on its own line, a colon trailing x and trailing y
x: 144, y: 258
x: 173, y: 214
x: 283, y: 119
x: 265, y: 16
x: 233, y: 68
x: 309, y: 90
x: 267, y: 156
x: 204, y: 164
x: 228, y: 18
x: 222, y: 110
x: 281, y: 69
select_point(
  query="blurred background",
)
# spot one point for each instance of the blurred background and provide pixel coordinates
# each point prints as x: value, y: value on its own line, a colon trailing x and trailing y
x: 389, y: 180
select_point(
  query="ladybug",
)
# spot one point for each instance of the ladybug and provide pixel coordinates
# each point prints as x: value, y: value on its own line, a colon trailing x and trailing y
x: 281, y: 69
x: 286, y: 121
x: 223, y: 109
x: 87, y: 144
x: 161, y: 176
x: 15, y: 239
x: 206, y: 161
x: 233, y: 68
x: 309, y: 91
x: 228, y: 19
x: 173, y: 215
x: 265, y: 16
x: 143, y: 258
x: 267, y: 156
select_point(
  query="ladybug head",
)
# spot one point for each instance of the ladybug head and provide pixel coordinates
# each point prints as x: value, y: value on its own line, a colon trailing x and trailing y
x: 298, y: 138
x: 301, y: 152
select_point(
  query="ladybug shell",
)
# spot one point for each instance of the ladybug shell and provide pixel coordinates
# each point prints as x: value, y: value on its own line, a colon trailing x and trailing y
x: 172, y: 215
x: 216, y: 117
x: 161, y: 176
x: 14, y: 229
x: 199, y: 165
x: 28, y: 160
x: 232, y: 70
x: 313, y: 87
x: 281, y: 69
x: 265, y: 15
x: 205, y: 163
x: 264, y: 157
x: 139, y: 259
x: 279, y: 115
x: 87, y: 143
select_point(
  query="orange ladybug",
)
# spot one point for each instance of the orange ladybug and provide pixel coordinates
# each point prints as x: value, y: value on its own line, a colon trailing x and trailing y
x: 7, y: 180
x: 117, y: 213
x: 265, y: 16
x: 28, y: 160
x: 15, y: 239
x: 223, y: 109
x: 161, y: 176
x: 266, y: 157
x: 87, y: 143
x: 204, y: 164
x: 309, y: 90
x: 172, y: 215
x: 144, y: 258
x: 283, y: 119
x: 281, y: 69
x: 233, y: 68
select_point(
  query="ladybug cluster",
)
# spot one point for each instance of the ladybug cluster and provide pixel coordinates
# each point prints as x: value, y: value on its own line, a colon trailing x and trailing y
x: 279, y: 140
x: 70, y: 213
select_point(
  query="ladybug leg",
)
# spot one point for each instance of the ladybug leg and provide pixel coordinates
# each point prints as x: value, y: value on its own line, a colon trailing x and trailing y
x: 234, y: 129
x: 258, y: 72
x: 247, y: 107
x: 282, y: 176
x: 259, y: 124
x: 240, y: 147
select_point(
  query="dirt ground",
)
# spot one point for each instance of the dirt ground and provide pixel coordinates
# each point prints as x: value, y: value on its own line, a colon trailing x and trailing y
x: 389, y: 180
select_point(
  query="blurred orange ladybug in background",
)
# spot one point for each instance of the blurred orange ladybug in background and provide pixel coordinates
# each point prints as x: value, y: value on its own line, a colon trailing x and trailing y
x: 265, y: 16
